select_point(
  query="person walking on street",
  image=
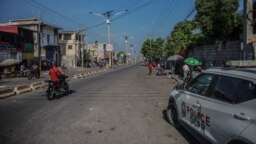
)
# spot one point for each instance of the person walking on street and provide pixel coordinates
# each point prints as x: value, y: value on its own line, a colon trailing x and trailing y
x: 150, y: 67
x: 185, y: 72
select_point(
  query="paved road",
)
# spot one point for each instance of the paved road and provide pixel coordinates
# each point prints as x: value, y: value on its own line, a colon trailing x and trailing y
x: 14, y: 81
x: 124, y: 106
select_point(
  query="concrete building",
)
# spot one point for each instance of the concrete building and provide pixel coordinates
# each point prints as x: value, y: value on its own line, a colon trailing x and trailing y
x: 45, y: 36
x: 73, y: 45
x: 97, y: 52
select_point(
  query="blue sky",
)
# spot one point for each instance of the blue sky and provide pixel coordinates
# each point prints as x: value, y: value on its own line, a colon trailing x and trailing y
x: 144, y: 18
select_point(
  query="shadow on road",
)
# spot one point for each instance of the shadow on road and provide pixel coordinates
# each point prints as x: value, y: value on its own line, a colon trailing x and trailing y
x: 190, y: 139
x: 61, y: 95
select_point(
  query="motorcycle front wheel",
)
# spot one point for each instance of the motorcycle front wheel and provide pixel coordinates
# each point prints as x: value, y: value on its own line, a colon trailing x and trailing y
x: 50, y: 93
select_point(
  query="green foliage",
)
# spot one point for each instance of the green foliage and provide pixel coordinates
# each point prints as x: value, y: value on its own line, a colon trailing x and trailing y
x: 87, y: 56
x: 153, y: 49
x: 181, y: 37
x: 218, y: 18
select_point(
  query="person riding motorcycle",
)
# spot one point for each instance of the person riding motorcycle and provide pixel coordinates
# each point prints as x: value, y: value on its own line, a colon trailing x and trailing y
x: 56, y: 74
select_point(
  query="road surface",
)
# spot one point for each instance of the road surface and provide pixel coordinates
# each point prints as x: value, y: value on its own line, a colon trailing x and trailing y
x: 124, y: 106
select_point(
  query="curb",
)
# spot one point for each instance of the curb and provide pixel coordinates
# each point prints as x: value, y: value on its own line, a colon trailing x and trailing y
x: 36, y: 85
x: 7, y: 92
x: 22, y: 89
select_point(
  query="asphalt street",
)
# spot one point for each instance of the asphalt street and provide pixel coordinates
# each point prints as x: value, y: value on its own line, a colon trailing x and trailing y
x: 123, y: 106
x: 44, y: 75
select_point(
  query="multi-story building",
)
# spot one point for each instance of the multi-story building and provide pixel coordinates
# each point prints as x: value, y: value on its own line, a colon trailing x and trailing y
x: 15, y: 43
x: 97, y: 51
x: 72, y: 45
x: 44, y: 45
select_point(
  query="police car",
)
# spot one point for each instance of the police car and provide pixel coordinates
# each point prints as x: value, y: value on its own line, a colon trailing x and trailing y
x: 218, y: 106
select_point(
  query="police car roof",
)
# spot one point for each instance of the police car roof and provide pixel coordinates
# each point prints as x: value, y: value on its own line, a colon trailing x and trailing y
x: 248, y: 73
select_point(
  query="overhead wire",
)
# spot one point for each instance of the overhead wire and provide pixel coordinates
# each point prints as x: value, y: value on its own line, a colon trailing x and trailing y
x: 130, y: 11
x: 163, y: 13
x: 78, y: 25
x: 50, y: 11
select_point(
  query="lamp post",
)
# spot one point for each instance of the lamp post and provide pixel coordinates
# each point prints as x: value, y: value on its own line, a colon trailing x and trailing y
x: 107, y: 15
x: 126, y: 46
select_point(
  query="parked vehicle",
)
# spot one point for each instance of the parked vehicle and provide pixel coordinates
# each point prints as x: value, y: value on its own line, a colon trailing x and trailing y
x: 23, y: 73
x: 33, y: 73
x: 218, y: 106
x: 54, y: 89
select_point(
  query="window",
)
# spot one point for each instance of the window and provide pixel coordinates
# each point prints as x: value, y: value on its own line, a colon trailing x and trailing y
x: 202, y: 85
x: 48, y: 39
x: 246, y: 91
x: 60, y: 36
x: 225, y: 89
x: 67, y: 36
x: 70, y: 47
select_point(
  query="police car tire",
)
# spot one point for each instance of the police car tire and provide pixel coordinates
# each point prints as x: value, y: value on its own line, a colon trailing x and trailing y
x: 172, y: 116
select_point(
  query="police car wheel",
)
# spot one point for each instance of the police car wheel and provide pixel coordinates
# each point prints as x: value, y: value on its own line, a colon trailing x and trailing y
x: 172, y: 116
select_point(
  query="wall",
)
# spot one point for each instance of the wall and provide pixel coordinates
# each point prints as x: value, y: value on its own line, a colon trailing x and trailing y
x: 210, y: 55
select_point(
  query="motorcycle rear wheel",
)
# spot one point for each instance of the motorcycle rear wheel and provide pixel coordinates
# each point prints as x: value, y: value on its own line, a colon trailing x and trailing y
x: 66, y: 88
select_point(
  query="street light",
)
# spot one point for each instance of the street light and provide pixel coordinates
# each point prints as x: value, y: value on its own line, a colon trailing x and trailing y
x: 107, y: 16
x: 126, y: 46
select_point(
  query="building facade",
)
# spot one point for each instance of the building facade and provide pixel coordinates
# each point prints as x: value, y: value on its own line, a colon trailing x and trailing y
x: 72, y: 45
x: 97, y: 52
x: 43, y: 40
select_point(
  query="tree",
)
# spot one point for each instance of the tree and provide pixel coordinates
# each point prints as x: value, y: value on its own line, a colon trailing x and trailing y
x: 153, y: 49
x: 181, y: 37
x: 218, y: 18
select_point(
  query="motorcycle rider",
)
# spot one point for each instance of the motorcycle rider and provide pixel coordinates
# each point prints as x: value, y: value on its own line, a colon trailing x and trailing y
x: 55, y: 74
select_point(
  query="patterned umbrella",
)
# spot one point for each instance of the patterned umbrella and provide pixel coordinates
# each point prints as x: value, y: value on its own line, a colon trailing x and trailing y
x: 174, y: 58
x: 192, y: 61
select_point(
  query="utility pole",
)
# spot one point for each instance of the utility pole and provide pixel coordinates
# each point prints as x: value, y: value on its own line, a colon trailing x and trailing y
x: 249, y: 37
x: 39, y: 45
x: 150, y: 43
x: 126, y: 45
x: 107, y: 15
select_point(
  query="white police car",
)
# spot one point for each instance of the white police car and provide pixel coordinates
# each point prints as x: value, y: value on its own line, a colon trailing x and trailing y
x: 218, y: 106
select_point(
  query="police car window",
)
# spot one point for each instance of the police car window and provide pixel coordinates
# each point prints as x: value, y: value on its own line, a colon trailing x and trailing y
x: 225, y: 89
x: 201, y: 85
x: 246, y: 91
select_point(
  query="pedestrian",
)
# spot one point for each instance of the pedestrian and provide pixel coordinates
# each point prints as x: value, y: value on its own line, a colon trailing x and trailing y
x: 185, y: 72
x: 150, y: 67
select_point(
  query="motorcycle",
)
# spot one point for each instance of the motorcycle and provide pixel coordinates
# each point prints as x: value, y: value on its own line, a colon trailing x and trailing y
x: 33, y: 73
x: 23, y: 73
x: 54, y: 88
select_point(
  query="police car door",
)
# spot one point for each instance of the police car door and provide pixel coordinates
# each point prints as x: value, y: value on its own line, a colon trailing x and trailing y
x: 193, y: 113
x: 224, y: 119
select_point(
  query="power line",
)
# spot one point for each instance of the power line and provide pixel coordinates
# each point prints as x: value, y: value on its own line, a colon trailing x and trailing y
x: 132, y: 10
x: 163, y: 14
x: 191, y: 12
x: 50, y: 11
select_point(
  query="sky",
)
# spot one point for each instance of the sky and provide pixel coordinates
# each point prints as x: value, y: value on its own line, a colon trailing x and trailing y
x: 144, y: 18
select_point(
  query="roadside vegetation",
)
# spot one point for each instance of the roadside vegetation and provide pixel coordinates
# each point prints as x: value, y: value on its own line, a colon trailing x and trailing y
x: 215, y: 22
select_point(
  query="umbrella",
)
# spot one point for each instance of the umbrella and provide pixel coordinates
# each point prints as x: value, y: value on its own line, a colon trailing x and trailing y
x: 7, y: 62
x: 174, y: 58
x: 192, y: 61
